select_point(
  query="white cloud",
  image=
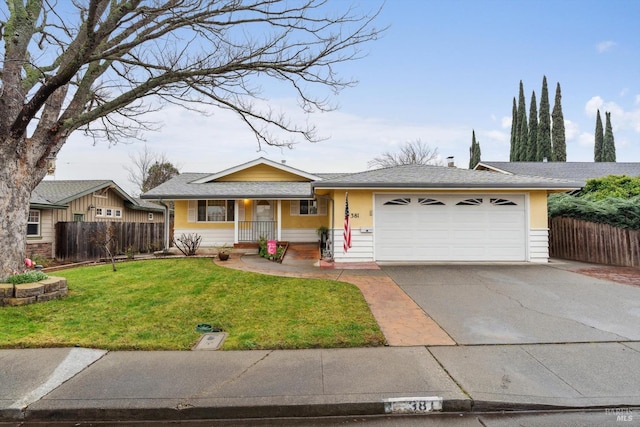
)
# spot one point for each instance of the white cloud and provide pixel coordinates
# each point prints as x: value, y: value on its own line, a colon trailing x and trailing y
x: 605, y: 46
x: 570, y: 130
x: 506, y: 122
x: 620, y: 119
x: 593, y: 105
x: 498, y: 136
x: 586, y: 139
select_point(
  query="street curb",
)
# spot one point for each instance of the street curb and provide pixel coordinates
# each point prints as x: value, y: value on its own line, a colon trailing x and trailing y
x: 193, y: 413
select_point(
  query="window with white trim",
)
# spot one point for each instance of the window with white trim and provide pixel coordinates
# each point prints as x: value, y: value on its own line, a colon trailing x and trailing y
x: 150, y: 216
x: 33, y: 223
x: 216, y: 210
x: 309, y: 207
x: 109, y: 212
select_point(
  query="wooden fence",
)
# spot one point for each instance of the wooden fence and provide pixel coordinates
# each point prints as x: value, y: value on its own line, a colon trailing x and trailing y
x: 590, y: 242
x: 80, y: 241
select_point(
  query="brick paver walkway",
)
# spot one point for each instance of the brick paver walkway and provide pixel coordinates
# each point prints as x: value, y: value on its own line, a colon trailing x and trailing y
x: 401, y: 320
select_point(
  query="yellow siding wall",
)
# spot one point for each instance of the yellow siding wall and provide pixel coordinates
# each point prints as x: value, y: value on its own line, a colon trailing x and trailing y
x: 360, y: 205
x: 538, y: 209
x: 181, y: 211
x: 263, y: 173
x: 303, y: 221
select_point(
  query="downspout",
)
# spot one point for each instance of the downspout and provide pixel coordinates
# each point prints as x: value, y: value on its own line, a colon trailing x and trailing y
x: 167, y: 223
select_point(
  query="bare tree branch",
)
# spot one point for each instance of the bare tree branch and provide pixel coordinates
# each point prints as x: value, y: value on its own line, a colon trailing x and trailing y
x: 411, y: 153
x: 100, y: 65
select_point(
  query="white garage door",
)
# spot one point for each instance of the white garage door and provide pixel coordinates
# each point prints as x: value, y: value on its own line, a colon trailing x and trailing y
x: 448, y: 227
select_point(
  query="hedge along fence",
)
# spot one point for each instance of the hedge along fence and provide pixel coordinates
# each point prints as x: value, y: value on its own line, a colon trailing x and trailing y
x: 579, y: 240
x: 80, y: 241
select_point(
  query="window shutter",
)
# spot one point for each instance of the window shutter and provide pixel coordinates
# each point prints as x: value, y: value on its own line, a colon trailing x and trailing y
x: 295, y: 208
x: 322, y: 207
x: 192, y: 211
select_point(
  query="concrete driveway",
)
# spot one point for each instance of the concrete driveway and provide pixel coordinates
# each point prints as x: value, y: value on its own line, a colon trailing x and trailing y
x: 521, y: 304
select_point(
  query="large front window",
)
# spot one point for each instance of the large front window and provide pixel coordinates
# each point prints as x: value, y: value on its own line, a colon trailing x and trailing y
x: 33, y: 223
x: 216, y: 210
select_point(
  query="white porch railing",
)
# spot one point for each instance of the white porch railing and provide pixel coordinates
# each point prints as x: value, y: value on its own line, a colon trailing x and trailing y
x: 252, y: 231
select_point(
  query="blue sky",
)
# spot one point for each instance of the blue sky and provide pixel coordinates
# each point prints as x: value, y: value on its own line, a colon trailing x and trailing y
x: 443, y: 69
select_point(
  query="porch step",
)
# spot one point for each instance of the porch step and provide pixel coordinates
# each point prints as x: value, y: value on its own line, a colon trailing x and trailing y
x: 245, y: 246
x: 303, y: 251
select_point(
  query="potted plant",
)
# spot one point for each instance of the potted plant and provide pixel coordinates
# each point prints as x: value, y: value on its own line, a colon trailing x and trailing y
x: 323, y: 233
x: 223, y: 252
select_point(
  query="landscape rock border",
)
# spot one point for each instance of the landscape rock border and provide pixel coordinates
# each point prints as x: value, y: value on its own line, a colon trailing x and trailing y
x: 30, y: 293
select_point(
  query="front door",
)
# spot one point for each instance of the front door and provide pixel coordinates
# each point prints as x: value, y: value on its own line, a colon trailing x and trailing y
x: 264, y: 214
x: 264, y: 210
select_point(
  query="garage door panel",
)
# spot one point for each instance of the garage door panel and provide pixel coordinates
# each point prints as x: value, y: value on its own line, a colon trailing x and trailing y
x: 463, y: 228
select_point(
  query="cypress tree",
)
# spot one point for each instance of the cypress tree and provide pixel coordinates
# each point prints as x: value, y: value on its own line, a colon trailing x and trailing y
x: 599, y: 142
x: 558, y: 142
x: 544, y: 125
x: 523, y: 147
x: 532, y: 149
x: 521, y: 139
x: 514, y: 127
x: 474, y: 151
x: 608, y: 146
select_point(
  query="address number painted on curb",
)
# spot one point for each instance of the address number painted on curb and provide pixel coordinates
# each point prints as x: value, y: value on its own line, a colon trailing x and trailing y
x: 412, y: 405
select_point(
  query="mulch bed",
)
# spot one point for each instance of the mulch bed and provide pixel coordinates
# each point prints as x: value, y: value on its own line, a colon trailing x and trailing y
x: 625, y: 275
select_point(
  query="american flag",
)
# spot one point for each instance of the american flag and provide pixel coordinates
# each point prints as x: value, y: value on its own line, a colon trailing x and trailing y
x: 347, y: 225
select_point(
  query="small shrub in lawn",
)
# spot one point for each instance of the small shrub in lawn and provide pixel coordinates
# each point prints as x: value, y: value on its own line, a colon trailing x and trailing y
x: 28, y: 277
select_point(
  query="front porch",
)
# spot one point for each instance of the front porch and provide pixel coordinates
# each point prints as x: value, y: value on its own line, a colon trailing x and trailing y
x: 253, y: 231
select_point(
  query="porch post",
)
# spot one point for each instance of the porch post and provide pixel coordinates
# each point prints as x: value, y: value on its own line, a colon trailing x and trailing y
x: 279, y: 223
x: 236, y: 210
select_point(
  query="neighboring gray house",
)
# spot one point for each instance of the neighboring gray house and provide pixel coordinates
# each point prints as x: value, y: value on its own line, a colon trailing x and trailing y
x: 578, y: 172
x: 80, y: 200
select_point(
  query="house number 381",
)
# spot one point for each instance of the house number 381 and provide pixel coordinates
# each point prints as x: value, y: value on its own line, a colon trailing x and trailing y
x: 355, y: 215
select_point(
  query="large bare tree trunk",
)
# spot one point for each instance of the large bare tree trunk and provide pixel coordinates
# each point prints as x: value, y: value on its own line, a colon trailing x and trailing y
x: 17, y: 179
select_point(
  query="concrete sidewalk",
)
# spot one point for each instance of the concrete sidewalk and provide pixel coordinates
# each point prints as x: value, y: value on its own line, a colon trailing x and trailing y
x: 91, y: 385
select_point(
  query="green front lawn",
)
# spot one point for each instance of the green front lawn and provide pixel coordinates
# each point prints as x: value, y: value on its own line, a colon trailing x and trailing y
x: 156, y: 305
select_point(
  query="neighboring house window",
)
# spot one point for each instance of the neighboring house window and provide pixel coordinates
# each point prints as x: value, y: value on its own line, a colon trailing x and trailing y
x: 150, y: 216
x: 117, y: 213
x: 78, y: 217
x: 108, y: 212
x: 216, y: 210
x: 99, y: 212
x: 33, y: 223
